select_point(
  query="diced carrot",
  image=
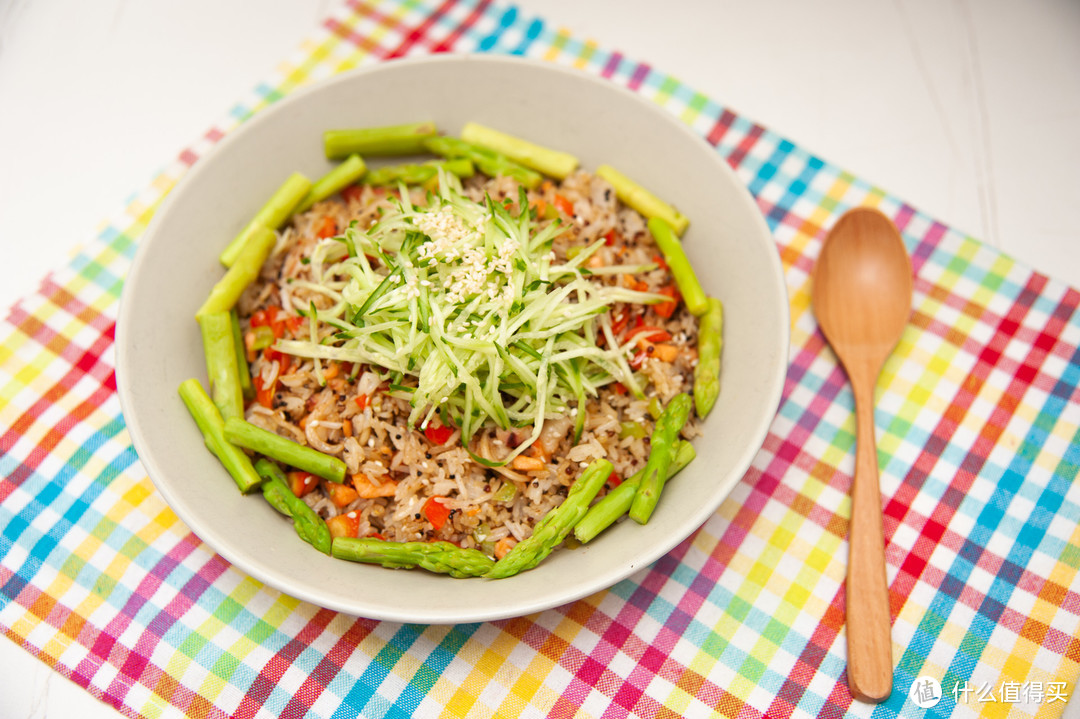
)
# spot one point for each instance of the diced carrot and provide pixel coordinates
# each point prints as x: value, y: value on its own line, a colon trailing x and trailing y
x: 346, y: 427
x: 369, y: 490
x: 665, y: 352
x: 632, y: 283
x: 362, y: 401
x: 527, y: 464
x: 331, y: 370
x: 302, y: 482
x: 436, y: 512
x: 565, y: 206
x: 503, y: 546
x: 342, y: 495
x: 537, y: 450
x: 540, y: 205
x: 377, y: 535
x: 667, y: 309
x: 344, y: 525
x: 660, y: 261
x: 326, y: 228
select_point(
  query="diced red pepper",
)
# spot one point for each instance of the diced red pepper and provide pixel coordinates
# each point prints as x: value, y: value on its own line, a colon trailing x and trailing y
x: 344, y: 525
x: 618, y: 322
x: 264, y: 395
x: 660, y: 261
x: 614, y: 480
x: 565, y: 206
x: 437, y: 433
x: 649, y: 333
x: 436, y: 512
x: 377, y: 535
x: 620, y: 388
x: 352, y: 192
x: 295, y: 323
x: 263, y: 318
x: 362, y: 401
x: 667, y: 309
x: 638, y: 359
x: 269, y: 318
x: 302, y: 482
x: 611, y: 237
x: 632, y: 283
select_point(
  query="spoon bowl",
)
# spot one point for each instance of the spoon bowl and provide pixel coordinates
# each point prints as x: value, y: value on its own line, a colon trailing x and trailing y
x: 862, y: 286
x: 861, y: 294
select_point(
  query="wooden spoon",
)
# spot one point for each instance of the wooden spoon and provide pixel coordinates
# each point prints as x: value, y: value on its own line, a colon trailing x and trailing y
x: 862, y: 298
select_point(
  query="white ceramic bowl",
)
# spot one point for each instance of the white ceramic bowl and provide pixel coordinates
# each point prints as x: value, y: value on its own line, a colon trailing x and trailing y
x: 158, y: 343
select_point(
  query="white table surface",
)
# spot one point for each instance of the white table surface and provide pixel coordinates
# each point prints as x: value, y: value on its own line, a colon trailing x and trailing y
x: 968, y: 110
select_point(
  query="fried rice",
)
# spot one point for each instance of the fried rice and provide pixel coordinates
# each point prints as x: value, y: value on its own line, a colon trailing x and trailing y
x: 396, y: 472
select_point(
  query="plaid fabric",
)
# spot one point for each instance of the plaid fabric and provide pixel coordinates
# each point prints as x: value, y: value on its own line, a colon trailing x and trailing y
x: 978, y: 419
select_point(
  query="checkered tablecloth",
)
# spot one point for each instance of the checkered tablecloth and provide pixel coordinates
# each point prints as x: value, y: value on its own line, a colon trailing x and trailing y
x: 978, y: 433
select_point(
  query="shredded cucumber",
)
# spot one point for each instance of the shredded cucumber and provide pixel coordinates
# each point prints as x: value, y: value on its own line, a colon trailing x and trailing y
x: 467, y: 303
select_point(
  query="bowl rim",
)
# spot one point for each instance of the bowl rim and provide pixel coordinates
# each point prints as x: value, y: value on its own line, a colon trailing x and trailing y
x: 221, y: 544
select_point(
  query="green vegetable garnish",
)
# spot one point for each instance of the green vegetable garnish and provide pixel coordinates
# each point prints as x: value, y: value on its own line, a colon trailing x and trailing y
x: 469, y: 300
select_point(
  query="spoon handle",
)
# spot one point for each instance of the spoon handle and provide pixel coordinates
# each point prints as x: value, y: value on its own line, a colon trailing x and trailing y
x: 869, y: 640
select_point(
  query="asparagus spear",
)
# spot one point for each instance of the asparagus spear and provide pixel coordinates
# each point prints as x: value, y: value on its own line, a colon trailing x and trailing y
x: 221, y: 363
x: 418, y: 174
x: 441, y: 557
x: 345, y: 174
x: 405, y: 139
x: 680, y: 266
x: 655, y: 473
x: 309, y: 525
x: 617, y: 502
x: 550, y: 162
x: 284, y: 450
x: 209, y: 420
x: 556, y: 524
x: 244, y: 268
x: 247, y: 389
x: 276, y: 496
x: 273, y: 214
x: 710, y: 345
x: 491, y: 163
x: 642, y: 200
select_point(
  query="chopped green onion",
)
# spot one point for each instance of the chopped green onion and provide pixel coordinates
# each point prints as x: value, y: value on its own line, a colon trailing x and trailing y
x: 506, y: 492
x: 264, y: 337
